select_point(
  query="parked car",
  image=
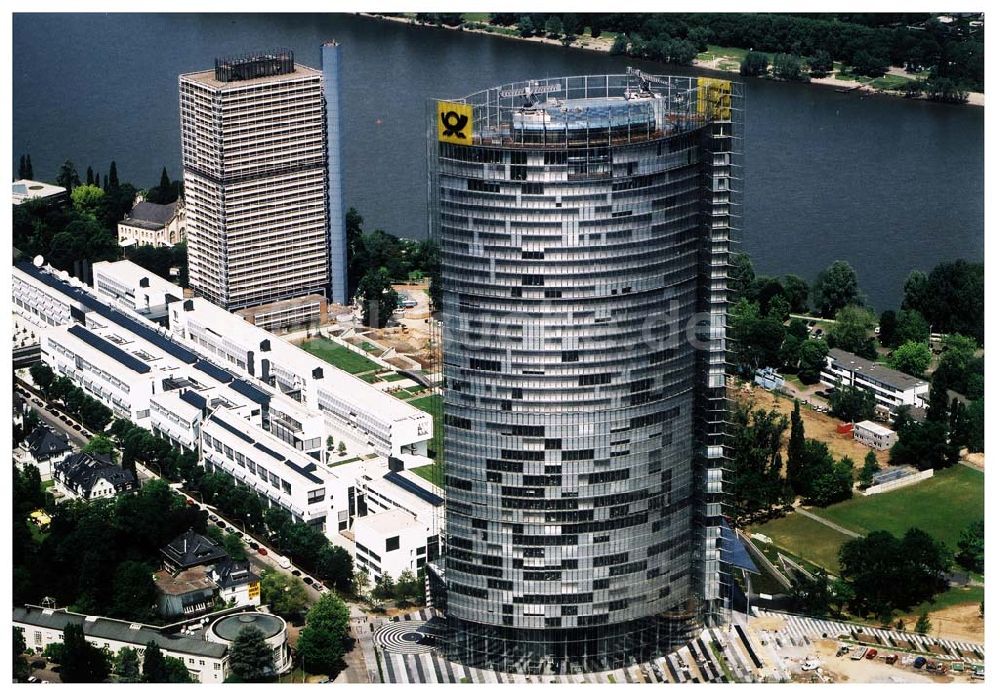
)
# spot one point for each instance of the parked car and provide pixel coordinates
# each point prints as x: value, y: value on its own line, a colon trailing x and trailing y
x: 843, y: 650
x: 810, y: 665
x: 262, y: 551
x: 307, y: 580
x: 872, y: 653
x: 891, y: 659
x: 318, y: 586
x: 919, y: 662
x: 284, y: 562
x: 213, y: 518
x: 858, y: 654
x: 296, y: 573
x: 190, y: 501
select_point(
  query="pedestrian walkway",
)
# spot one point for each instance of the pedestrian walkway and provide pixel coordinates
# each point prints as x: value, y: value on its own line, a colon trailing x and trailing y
x: 822, y: 520
x: 802, y: 629
x: 400, y: 643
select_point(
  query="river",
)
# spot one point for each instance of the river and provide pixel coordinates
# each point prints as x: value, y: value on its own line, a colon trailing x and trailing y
x: 890, y: 185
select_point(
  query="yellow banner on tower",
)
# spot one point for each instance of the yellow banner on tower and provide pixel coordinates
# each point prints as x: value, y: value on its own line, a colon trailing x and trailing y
x: 715, y: 98
x: 454, y: 121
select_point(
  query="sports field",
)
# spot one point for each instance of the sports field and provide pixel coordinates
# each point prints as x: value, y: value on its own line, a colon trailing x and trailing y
x: 806, y: 538
x: 942, y: 506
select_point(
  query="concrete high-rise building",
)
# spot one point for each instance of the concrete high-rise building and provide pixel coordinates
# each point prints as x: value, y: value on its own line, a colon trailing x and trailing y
x: 585, y: 227
x: 257, y: 179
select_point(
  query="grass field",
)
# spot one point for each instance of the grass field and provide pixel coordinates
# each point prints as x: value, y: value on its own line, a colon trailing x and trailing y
x: 435, y: 406
x: 338, y: 356
x: 942, y: 506
x: 432, y: 473
x: 890, y: 82
x: 808, y: 539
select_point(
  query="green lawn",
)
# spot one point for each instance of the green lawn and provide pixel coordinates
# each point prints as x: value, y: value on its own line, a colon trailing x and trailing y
x: 434, y: 405
x: 432, y: 473
x: 476, y: 16
x: 891, y: 82
x: 338, y: 356
x: 942, y: 506
x: 391, y: 377
x: 807, y: 538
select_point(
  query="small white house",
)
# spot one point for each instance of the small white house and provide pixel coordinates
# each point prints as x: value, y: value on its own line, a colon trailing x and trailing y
x: 874, y: 435
x: 92, y: 476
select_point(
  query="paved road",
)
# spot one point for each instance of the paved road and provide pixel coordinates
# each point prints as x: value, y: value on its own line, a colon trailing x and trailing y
x: 828, y: 523
x: 79, y: 437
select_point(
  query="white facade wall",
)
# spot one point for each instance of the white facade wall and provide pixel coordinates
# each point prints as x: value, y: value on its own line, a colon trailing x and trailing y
x: 125, y: 391
x: 207, y: 669
x: 37, y: 303
x: 886, y: 396
x: 390, y: 542
x: 171, y: 233
x: 175, y: 419
x: 269, y: 475
x: 122, y: 282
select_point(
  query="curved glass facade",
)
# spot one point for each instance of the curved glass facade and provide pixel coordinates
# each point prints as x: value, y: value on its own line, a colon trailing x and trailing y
x: 584, y: 245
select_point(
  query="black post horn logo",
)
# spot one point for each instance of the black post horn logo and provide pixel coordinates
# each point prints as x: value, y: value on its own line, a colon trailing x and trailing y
x: 454, y: 123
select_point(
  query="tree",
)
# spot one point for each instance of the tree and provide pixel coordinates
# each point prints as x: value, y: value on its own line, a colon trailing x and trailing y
x: 127, y: 665
x: 553, y: 27
x: 754, y: 64
x: 889, y: 573
x: 67, y: 176
x: 384, y: 587
x: 910, y: 327
x: 853, y: 331
x: 796, y: 445
x: 832, y: 485
x: 937, y: 401
x: 250, y: 657
x: 153, y: 667
x: 797, y: 292
x: 99, y: 444
x: 133, y: 594
x: 871, y: 65
x: 787, y: 67
x: 321, y: 642
x: 619, y: 46
x: 42, y: 376
x: 378, y: 298
x: 757, y: 483
x: 525, y: 27
x: 113, y: 177
x: 335, y: 566
x: 22, y: 170
x: 283, y: 594
x: 811, y: 595
x: 741, y: 276
x: 951, y: 298
x: 341, y: 448
x: 836, y: 287
x: 971, y: 547
x: 812, y: 360
x: 21, y: 671
x: 29, y: 172
x: 869, y: 470
x: 852, y: 404
x: 923, y: 624
x: 911, y: 358
x: 887, y: 328
x: 233, y: 543
x: 81, y: 661
x: 820, y: 64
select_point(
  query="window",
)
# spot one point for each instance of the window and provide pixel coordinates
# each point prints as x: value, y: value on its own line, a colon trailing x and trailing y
x: 392, y: 543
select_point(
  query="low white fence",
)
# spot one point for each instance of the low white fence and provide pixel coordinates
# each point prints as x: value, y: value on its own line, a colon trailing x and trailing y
x: 900, y: 482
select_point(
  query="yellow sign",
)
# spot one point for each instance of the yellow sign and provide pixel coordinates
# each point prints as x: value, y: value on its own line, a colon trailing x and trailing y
x: 715, y: 98
x: 253, y: 590
x: 454, y: 121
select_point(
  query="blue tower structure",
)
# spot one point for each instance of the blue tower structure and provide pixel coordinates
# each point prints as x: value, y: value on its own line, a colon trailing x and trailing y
x: 335, y: 182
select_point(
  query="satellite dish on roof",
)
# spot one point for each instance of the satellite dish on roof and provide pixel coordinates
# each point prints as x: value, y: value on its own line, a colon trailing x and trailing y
x: 38, y: 261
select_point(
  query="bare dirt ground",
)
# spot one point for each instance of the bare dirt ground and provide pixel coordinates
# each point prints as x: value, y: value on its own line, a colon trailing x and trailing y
x: 821, y: 426
x: 833, y: 669
x: 961, y: 622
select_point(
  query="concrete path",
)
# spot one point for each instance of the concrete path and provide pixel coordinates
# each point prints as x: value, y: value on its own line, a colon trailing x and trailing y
x: 828, y: 523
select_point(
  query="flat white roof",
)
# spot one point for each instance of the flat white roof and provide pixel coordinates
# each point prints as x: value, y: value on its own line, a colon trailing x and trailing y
x: 387, y: 523
x: 874, y: 427
x: 172, y: 401
x: 23, y: 190
x: 130, y: 274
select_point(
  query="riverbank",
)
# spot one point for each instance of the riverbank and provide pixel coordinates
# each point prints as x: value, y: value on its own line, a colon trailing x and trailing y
x: 721, y: 64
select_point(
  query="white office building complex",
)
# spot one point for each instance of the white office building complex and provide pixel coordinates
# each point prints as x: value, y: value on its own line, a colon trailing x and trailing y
x: 391, y: 427
x: 891, y: 388
x: 125, y: 282
x: 253, y: 406
x: 254, y: 151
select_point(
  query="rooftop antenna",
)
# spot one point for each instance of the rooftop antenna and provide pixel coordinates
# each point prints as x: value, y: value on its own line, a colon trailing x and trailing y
x: 530, y: 91
x: 49, y: 602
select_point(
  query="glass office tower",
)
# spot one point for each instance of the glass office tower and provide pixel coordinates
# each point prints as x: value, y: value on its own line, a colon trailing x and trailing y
x: 585, y: 227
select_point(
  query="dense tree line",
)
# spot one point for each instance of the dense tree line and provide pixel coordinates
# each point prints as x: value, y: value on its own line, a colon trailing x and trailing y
x: 306, y: 545
x: 91, y: 412
x: 868, y: 43
x: 98, y: 557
